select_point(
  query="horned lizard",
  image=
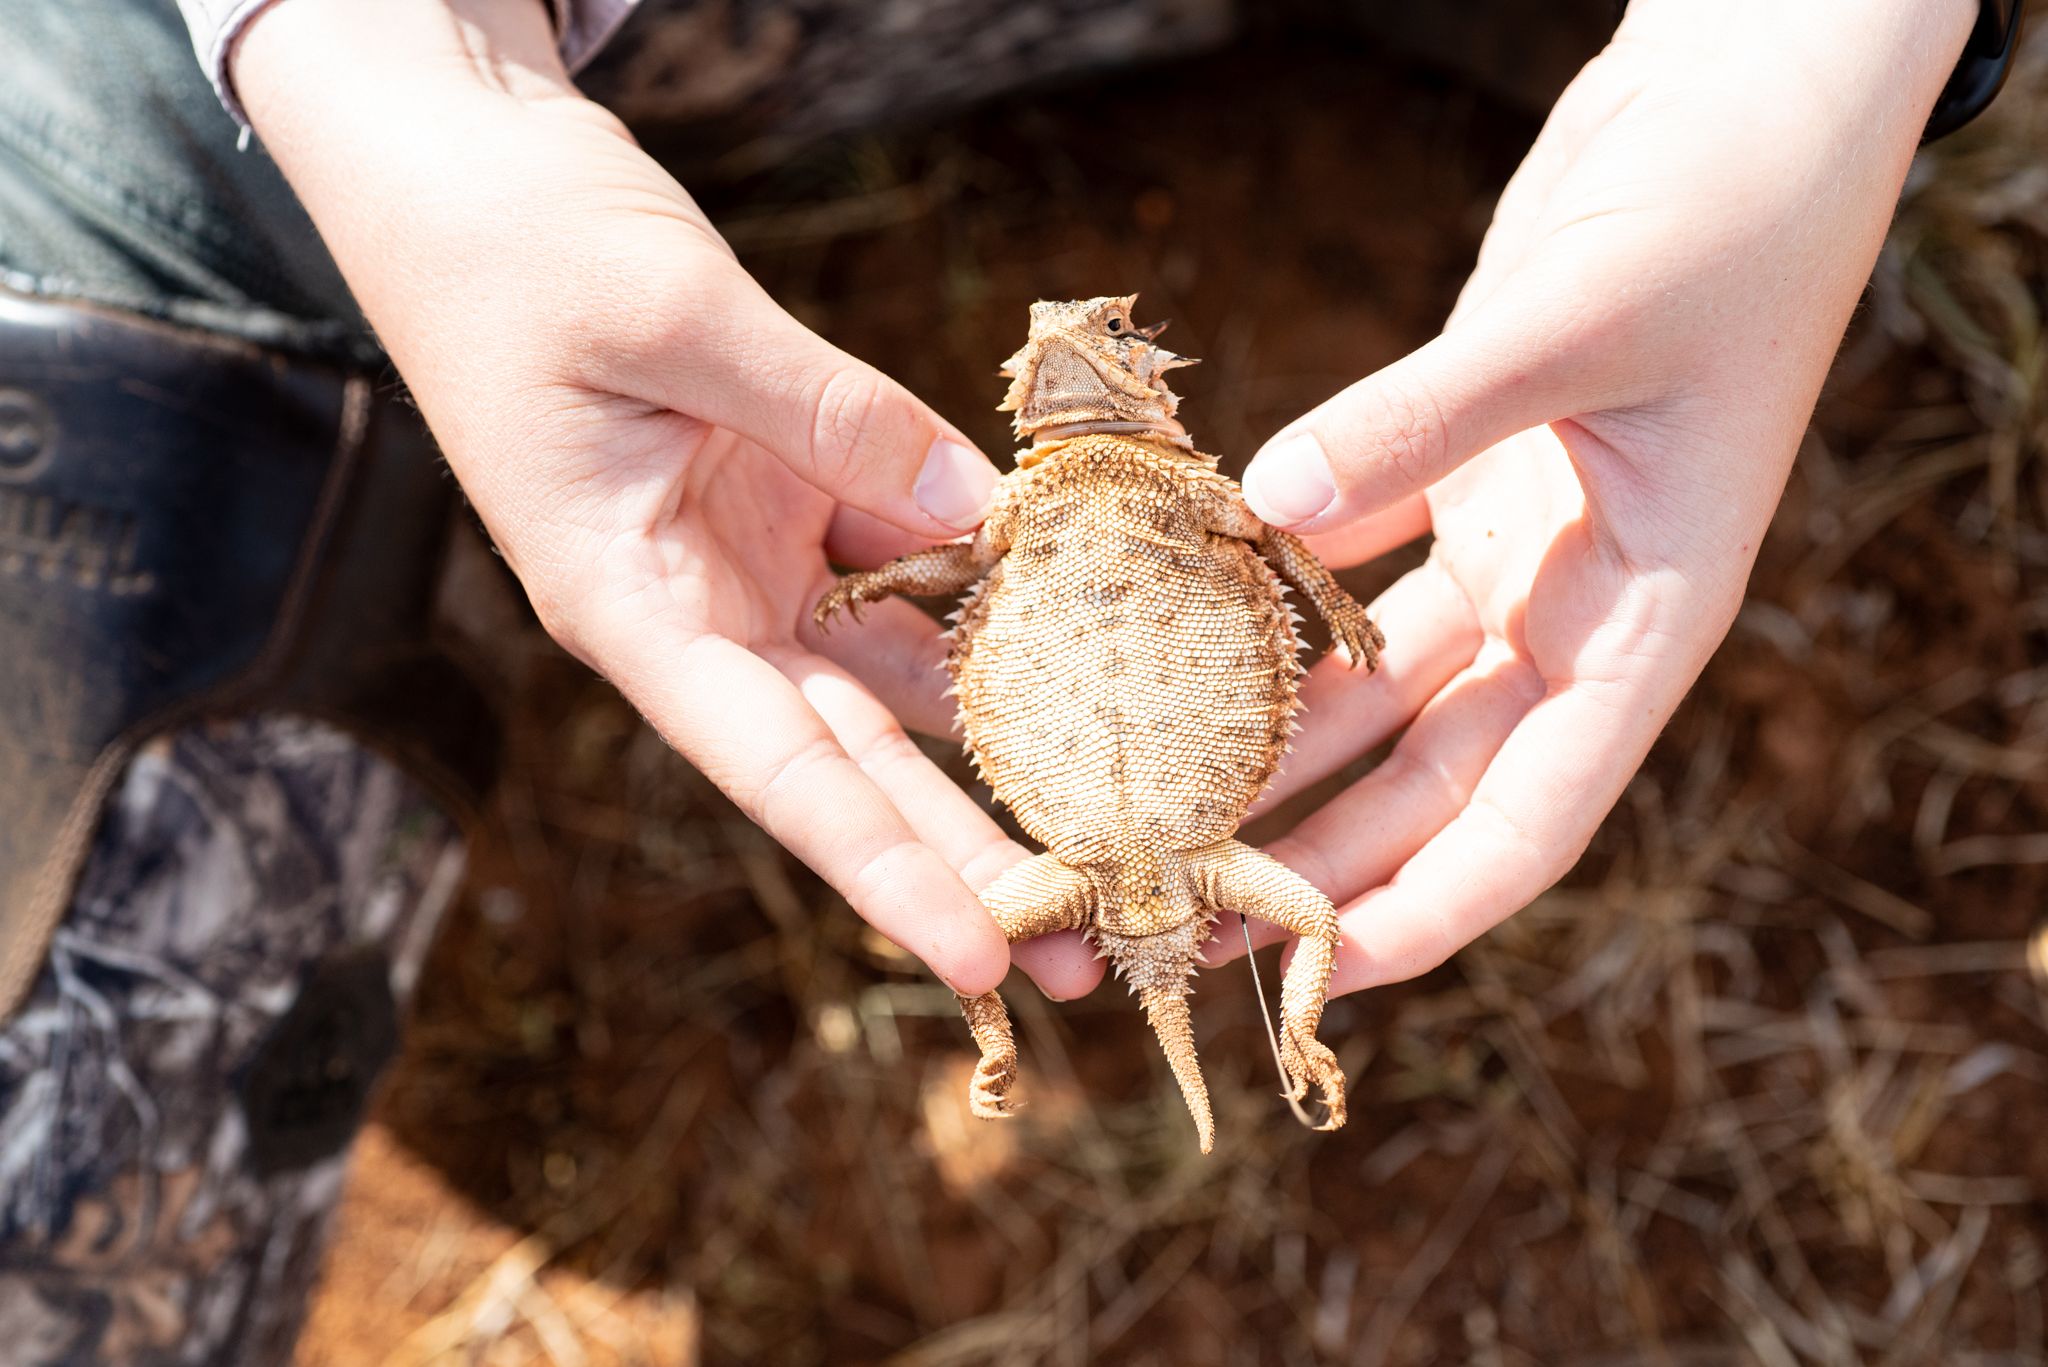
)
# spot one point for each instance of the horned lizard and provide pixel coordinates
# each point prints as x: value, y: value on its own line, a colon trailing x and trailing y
x: 1126, y: 665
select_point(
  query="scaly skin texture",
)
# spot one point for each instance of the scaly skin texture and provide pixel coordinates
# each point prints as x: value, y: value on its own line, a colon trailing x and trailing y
x: 1126, y: 665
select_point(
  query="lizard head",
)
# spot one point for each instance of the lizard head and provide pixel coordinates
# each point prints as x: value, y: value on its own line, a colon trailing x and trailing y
x: 1086, y: 367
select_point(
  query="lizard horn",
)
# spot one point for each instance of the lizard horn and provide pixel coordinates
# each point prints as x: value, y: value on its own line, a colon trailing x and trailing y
x: 1166, y: 1006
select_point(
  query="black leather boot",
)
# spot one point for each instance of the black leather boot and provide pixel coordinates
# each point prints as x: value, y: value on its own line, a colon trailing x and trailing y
x: 229, y: 754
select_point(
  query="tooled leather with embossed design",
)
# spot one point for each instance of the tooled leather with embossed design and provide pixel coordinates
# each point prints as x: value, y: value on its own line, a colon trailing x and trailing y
x: 188, y: 526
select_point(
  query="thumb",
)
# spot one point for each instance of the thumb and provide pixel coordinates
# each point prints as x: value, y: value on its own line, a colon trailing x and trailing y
x: 740, y: 362
x: 871, y: 444
x: 1400, y: 430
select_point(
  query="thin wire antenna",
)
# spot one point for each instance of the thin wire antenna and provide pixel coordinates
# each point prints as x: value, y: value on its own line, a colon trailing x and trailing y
x: 1272, y: 1035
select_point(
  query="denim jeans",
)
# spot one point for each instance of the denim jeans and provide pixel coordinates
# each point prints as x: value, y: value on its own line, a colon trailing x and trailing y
x: 215, y: 905
x: 121, y: 184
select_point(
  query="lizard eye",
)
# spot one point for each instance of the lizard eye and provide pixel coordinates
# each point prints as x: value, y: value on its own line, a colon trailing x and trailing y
x: 1115, y: 325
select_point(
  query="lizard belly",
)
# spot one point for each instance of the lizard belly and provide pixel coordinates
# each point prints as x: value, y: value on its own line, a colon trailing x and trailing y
x: 1126, y: 685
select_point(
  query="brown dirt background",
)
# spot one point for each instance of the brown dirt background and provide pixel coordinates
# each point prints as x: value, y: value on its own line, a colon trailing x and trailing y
x: 1763, y: 1082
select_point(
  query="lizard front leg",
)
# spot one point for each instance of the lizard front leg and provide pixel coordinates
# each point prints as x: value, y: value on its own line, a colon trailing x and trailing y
x: 953, y: 568
x: 1348, y: 624
x: 1233, y: 876
x: 1297, y: 565
x: 950, y: 569
x: 1036, y: 897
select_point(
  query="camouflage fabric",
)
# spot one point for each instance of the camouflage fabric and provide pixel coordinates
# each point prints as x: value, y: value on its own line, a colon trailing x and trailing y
x: 178, y: 1093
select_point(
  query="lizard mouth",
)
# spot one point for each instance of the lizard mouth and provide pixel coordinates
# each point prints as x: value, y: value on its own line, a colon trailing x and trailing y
x: 1166, y: 430
x: 1070, y: 388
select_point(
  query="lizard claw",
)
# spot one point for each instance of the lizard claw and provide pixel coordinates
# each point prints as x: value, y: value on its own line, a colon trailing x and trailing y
x: 988, y: 1096
x: 1310, y: 1063
x: 841, y: 597
x: 1354, y: 633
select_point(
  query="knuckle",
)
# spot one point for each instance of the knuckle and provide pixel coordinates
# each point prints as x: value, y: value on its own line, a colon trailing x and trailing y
x: 850, y: 415
x: 1407, y: 434
x: 888, y: 752
x: 628, y: 323
x: 1435, y: 787
x: 556, y: 618
x: 1540, y: 859
x: 1437, y: 941
x: 554, y: 592
x: 789, y: 775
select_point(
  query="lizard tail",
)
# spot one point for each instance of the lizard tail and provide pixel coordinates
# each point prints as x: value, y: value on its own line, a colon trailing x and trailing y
x: 1166, y: 1006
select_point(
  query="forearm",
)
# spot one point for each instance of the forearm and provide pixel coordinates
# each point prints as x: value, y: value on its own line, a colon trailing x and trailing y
x: 502, y: 233
x: 1868, y: 71
x: 389, y: 118
x: 389, y: 62
x: 534, y: 273
x: 1760, y: 132
x: 581, y: 28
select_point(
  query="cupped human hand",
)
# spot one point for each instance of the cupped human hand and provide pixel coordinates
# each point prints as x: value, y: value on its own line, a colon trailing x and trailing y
x: 1597, y: 442
x: 663, y: 455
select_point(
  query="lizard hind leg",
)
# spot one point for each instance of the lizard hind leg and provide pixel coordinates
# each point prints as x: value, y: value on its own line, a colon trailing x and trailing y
x: 1233, y: 876
x: 1034, y: 897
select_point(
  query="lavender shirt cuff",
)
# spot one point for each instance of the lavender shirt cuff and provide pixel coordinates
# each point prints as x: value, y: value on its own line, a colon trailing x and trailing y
x: 581, y: 28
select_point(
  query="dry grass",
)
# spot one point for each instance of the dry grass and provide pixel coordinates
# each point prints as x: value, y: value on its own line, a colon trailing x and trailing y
x: 1764, y: 1082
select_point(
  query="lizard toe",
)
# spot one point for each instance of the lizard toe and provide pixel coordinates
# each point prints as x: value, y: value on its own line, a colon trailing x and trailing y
x: 830, y: 604
x: 1359, y: 638
x: 988, y: 1096
x: 1311, y: 1065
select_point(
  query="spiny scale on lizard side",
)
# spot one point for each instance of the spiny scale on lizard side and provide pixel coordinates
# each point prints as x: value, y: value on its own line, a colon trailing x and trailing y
x: 1126, y: 667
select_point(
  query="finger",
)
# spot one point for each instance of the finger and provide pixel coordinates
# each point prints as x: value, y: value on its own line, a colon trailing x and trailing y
x: 864, y: 541
x: 1373, y: 535
x: 1514, y: 365
x: 1363, y: 835
x: 899, y: 654
x: 748, y: 729
x: 1531, y: 816
x: 719, y: 349
x: 942, y: 815
x: 1062, y: 964
x: 1432, y: 632
x: 1358, y: 839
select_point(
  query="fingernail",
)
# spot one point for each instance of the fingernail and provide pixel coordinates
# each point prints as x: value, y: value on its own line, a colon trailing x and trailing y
x: 968, y: 996
x: 954, y: 485
x: 1290, y: 480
